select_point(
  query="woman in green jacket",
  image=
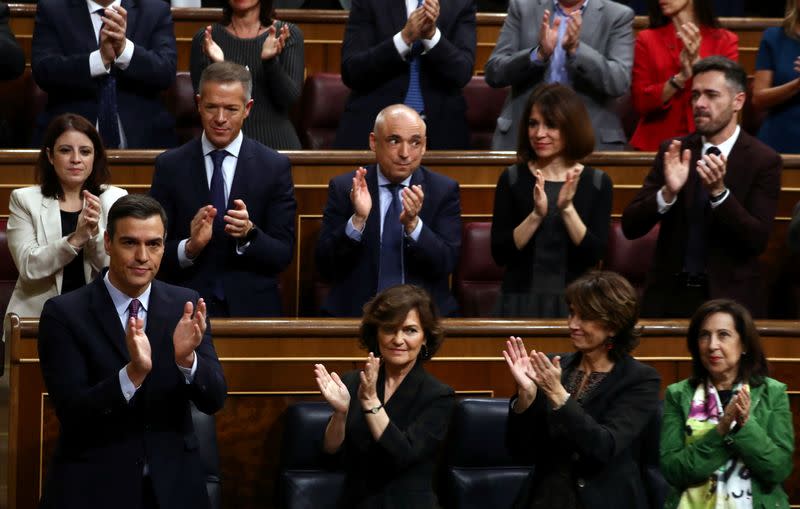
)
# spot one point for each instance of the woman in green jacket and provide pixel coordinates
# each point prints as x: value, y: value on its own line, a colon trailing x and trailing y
x: 727, y: 436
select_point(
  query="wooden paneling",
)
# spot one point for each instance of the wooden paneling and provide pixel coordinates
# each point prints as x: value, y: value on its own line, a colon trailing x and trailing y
x: 323, y: 32
x: 476, y: 172
x: 268, y: 365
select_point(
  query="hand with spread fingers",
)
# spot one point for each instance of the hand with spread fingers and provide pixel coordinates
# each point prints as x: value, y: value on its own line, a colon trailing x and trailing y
x: 332, y: 388
x: 519, y: 363
x: 676, y: 170
x: 189, y: 333
x: 275, y: 41
x: 360, y: 198
x: 211, y: 48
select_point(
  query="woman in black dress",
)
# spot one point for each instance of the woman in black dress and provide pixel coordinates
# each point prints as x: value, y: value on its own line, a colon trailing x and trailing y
x: 551, y: 213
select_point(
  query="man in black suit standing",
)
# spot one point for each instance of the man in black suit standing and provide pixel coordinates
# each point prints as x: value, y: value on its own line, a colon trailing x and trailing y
x: 714, y: 193
x: 415, y: 52
x: 108, y: 61
x: 230, y: 203
x: 390, y: 223
x: 122, y: 358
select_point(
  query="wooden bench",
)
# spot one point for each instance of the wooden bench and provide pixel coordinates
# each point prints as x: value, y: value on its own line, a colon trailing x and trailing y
x: 269, y: 364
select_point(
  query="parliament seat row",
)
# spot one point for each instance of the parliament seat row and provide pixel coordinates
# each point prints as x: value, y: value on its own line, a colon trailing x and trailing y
x: 315, y: 116
x: 477, y: 470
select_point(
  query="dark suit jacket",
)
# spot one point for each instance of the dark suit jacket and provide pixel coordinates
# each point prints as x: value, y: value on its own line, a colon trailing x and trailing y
x: 378, y: 76
x: 63, y: 38
x: 737, y: 231
x: 263, y: 180
x: 353, y: 266
x: 601, y: 439
x: 12, y: 59
x: 397, y: 470
x: 104, y: 440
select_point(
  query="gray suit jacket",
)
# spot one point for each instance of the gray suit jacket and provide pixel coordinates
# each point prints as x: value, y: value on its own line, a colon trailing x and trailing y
x: 600, y: 70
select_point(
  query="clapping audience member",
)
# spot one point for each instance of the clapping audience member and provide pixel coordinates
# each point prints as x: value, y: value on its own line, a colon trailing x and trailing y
x: 776, y: 86
x: 584, y: 44
x: 681, y: 33
x: 727, y: 437
x: 420, y: 53
x: 12, y: 59
x: 230, y: 204
x: 390, y: 418
x: 714, y: 194
x: 581, y: 417
x: 389, y: 223
x: 273, y: 52
x: 551, y: 213
x: 55, y: 228
x: 108, y: 64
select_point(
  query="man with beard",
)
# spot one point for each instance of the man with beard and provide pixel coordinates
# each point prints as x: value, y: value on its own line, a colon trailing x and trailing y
x: 715, y: 193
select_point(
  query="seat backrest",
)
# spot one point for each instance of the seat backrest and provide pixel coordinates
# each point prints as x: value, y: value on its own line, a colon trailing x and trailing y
x: 480, y: 473
x: 323, y: 100
x: 22, y: 103
x: 306, y: 479
x: 477, y: 279
x: 205, y: 428
x: 631, y: 258
x: 484, y: 104
x: 180, y: 101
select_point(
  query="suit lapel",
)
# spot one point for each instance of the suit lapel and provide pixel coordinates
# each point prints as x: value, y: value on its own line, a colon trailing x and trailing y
x: 132, y: 7
x: 102, y: 308
x: 199, y: 182
x: 51, y: 229
x: 158, y: 319
x: 80, y: 19
x: 372, y: 231
x: 695, y: 144
x: 397, y: 11
x: 592, y: 22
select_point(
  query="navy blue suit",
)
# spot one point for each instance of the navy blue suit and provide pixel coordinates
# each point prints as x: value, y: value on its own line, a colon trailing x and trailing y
x: 12, y: 59
x: 378, y: 76
x: 63, y: 38
x: 105, y: 440
x: 263, y: 180
x: 352, y: 266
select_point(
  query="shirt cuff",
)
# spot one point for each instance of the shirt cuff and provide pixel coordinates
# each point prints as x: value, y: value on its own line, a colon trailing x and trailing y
x: 183, y: 260
x: 128, y: 389
x: 414, y: 235
x: 663, y: 206
x: 96, y: 67
x: 719, y: 201
x: 403, y: 49
x: 124, y: 59
x: 351, y: 231
x: 188, y: 373
x: 431, y: 43
x: 535, y: 57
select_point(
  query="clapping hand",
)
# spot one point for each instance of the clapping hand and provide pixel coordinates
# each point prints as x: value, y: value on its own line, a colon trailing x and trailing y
x: 567, y: 192
x: 676, y: 170
x: 572, y: 36
x: 519, y: 363
x: 333, y: 389
x: 548, y: 36
x: 211, y: 48
x: 547, y: 375
x: 189, y: 333
x: 88, y: 220
x: 412, y: 198
x: 711, y: 169
x: 139, y: 351
x: 114, y: 27
x: 367, y: 389
x: 539, y: 196
x: 689, y: 34
x: 360, y: 198
x: 431, y: 11
x: 275, y: 41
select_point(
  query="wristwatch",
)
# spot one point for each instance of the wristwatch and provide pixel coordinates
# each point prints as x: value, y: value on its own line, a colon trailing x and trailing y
x: 373, y: 410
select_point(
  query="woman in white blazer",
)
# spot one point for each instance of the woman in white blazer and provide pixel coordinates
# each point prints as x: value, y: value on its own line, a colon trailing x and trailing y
x: 55, y: 229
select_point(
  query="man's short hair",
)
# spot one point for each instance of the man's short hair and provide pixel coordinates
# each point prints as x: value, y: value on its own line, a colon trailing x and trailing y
x: 138, y: 206
x: 734, y: 74
x: 227, y: 72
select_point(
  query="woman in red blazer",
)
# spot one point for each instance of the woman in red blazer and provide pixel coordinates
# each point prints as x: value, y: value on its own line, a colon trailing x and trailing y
x: 681, y: 33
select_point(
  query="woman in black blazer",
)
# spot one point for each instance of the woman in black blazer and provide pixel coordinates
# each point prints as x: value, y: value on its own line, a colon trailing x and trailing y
x: 551, y: 213
x: 390, y: 418
x: 581, y: 418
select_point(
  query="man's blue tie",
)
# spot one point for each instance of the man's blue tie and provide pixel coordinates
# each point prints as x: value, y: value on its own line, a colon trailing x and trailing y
x: 414, y: 98
x: 217, y: 189
x: 391, y: 267
x: 107, y: 107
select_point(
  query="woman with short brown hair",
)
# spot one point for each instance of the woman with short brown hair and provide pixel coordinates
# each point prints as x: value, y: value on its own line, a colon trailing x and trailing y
x: 551, y: 214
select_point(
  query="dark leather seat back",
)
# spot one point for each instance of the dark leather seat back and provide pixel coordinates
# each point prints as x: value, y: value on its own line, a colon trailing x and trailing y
x: 631, y: 258
x: 205, y: 427
x: 323, y: 100
x: 306, y: 480
x: 180, y: 101
x: 480, y: 472
x: 477, y: 279
x: 22, y: 103
x: 484, y: 104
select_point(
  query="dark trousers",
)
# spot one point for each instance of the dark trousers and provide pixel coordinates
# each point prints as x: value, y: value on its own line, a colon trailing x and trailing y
x: 148, y: 495
x: 673, y: 297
